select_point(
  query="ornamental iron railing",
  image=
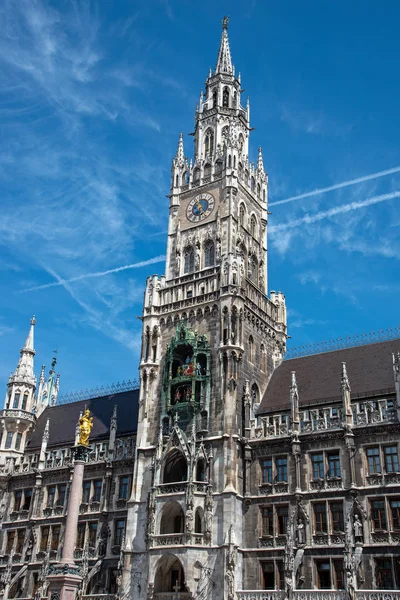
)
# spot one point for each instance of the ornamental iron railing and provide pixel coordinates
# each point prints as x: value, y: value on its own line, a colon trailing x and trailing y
x: 99, y: 392
x: 348, y: 341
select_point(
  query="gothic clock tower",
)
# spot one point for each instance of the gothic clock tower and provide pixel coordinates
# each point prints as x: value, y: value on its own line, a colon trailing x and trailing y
x: 211, y: 340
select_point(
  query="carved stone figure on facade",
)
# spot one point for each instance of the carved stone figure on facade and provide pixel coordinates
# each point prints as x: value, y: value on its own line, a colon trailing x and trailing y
x: 218, y: 252
x: 301, y: 533
x: 177, y: 265
x: 189, y: 521
x: 358, y: 528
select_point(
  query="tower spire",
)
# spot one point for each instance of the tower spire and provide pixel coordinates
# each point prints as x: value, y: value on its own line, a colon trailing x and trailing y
x: 224, y: 61
x: 24, y: 372
x: 180, y: 154
x: 260, y: 162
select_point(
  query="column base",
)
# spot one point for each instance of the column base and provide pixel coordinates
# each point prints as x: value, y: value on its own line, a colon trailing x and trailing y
x: 64, y: 582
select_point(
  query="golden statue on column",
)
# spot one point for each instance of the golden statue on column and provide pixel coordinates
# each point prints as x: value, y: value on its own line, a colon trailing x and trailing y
x: 85, y: 427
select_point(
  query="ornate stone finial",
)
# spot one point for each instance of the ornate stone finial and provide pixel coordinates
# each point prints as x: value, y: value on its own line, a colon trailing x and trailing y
x: 260, y: 162
x: 85, y: 427
x: 345, y: 378
x: 225, y: 23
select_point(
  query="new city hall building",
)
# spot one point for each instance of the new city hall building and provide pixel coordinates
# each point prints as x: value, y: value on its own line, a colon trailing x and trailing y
x: 230, y: 472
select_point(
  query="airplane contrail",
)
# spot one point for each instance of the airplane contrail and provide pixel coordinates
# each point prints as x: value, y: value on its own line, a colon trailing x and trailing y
x: 337, y: 186
x: 142, y: 263
x: 344, y: 208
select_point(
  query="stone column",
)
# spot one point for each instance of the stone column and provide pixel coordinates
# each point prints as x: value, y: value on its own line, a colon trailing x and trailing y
x: 65, y: 578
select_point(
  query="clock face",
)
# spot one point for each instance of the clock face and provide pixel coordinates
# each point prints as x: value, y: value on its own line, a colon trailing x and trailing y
x: 200, y: 207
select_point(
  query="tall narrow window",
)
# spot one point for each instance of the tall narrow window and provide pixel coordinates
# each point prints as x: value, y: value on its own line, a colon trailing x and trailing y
x: 51, y: 495
x: 25, y: 400
x: 123, y: 487
x: 92, y: 534
x: 55, y: 537
x: 374, y: 461
x: 384, y: 575
x: 267, y: 521
x: 18, y: 441
x: 266, y: 470
x: 119, y: 532
x: 334, y: 464
x: 209, y: 143
x: 268, y: 572
x: 252, y: 349
x: 253, y: 224
x: 378, y: 514
x: 17, y: 397
x: 80, y: 538
x: 20, y: 541
x: 86, y: 491
x: 189, y: 260
x: 391, y: 459
x: 338, y: 574
x: 97, y: 487
x: 337, y: 519
x: 281, y: 469
x: 324, y: 575
x: 225, y: 98
x: 395, y: 513
x: 209, y: 254
x: 62, y: 490
x: 241, y: 215
x: 317, y: 466
x: 9, y: 439
x: 320, y: 519
x: 27, y: 499
x: 44, y: 538
x: 263, y: 358
x: 17, y: 500
x: 10, y: 541
x: 215, y: 99
x: 282, y: 513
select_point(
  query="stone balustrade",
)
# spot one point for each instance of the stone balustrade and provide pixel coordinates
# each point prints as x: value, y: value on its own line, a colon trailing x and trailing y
x: 377, y: 595
x: 172, y: 596
x: 260, y: 595
x: 320, y: 595
x: 100, y: 597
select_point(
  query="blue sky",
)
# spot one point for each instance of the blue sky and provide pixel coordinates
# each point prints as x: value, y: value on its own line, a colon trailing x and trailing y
x: 92, y: 99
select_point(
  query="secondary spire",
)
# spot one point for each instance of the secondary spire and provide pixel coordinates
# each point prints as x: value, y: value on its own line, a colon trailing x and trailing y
x: 224, y: 61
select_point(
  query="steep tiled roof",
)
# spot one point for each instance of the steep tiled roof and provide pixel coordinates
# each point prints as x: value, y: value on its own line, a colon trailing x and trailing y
x: 63, y: 418
x: 318, y: 376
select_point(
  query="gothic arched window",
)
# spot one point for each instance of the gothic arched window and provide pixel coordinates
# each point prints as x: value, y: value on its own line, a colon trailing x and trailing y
x: 258, y: 190
x: 215, y: 99
x: 209, y: 143
x: 25, y: 400
x: 209, y: 254
x: 253, y: 226
x: 255, y: 398
x: 254, y: 270
x: 207, y: 170
x: 225, y: 98
x: 252, y: 350
x: 218, y: 167
x: 235, y: 100
x: 196, y: 175
x: 175, y: 468
x: 198, y: 521
x: 241, y: 215
x: 189, y: 260
x: 252, y: 184
x: 263, y: 358
x: 17, y: 397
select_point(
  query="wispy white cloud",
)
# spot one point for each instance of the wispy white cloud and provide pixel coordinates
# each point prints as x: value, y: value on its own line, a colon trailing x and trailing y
x: 59, y: 281
x: 337, y: 210
x: 338, y: 186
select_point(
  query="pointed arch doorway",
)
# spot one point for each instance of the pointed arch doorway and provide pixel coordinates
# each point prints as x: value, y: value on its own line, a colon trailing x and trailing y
x: 170, y: 578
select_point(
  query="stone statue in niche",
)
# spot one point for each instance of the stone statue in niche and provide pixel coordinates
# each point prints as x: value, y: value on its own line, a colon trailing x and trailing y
x: 358, y: 528
x: 301, y: 533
